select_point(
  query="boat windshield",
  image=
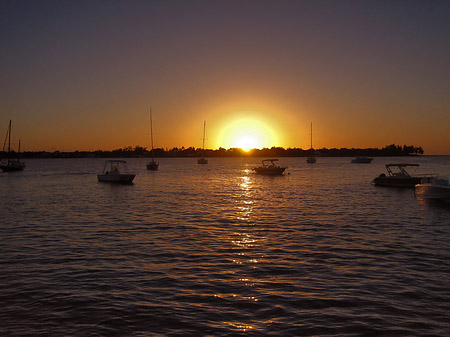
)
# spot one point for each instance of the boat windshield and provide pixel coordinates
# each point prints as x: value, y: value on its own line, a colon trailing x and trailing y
x: 401, y: 169
x: 115, y: 166
x: 441, y: 181
x: 270, y: 162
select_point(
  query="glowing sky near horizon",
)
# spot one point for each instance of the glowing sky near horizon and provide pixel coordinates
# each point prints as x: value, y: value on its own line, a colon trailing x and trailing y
x: 82, y: 75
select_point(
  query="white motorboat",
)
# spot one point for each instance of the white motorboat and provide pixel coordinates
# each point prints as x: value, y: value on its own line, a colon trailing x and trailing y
x: 11, y: 164
x: 270, y: 167
x: 116, y: 171
x: 362, y: 160
x: 398, y: 176
x: 436, y: 188
x: 202, y: 159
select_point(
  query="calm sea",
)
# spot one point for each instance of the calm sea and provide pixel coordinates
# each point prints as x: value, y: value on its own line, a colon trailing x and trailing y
x: 216, y: 250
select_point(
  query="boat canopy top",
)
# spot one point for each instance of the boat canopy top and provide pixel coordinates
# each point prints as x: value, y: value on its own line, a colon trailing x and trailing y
x: 400, y: 169
x: 116, y: 166
x: 270, y: 162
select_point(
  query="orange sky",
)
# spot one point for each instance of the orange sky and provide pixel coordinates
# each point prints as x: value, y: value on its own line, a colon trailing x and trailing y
x: 82, y: 76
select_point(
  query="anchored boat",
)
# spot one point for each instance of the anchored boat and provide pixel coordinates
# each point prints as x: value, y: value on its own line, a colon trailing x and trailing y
x: 11, y: 164
x: 202, y: 159
x: 270, y: 167
x: 311, y: 159
x: 152, y: 165
x: 362, y: 160
x: 436, y: 188
x: 398, y: 176
x: 116, y: 171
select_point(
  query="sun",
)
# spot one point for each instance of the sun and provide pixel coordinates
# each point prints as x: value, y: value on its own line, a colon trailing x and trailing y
x: 247, y: 133
x: 247, y: 143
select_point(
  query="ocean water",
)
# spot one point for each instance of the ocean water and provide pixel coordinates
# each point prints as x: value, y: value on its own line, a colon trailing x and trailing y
x: 215, y: 250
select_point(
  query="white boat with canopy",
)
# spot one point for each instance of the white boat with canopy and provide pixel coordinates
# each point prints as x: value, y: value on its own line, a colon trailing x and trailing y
x: 116, y: 171
x: 398, y: 175
x: 270, y: 167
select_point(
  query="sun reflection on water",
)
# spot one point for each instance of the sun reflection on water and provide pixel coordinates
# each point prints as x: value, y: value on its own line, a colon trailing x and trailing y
x: 245, y: 180
x: 244, y: 241
x: 244, y: 201
x: 241, y: 326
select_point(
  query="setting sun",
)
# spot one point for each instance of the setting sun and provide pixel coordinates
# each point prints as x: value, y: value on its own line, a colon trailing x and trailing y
x: 247, y: 134
x: 247, y: 143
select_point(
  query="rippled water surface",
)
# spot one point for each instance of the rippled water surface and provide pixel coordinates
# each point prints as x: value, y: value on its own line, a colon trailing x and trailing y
x: 217, y: 250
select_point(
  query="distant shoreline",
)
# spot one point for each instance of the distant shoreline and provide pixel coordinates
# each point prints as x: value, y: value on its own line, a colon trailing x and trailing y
x: 142, y: 152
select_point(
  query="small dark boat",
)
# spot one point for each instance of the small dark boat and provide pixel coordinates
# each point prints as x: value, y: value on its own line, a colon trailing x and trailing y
x: 362, y: 160
x: 311, y: 159
x: 202, y: 160
x: 152, y: 165
x: 11, y: 165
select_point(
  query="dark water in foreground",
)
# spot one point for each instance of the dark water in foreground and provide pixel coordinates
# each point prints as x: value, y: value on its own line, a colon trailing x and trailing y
x: 216, y: 250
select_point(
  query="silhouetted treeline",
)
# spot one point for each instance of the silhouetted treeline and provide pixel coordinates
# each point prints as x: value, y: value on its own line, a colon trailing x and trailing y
x: 139, y: 151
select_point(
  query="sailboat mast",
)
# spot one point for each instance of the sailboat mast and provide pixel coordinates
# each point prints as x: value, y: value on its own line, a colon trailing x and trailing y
x: 311, y: 135
x: 9, y: 137
x: 204, y: 128
x: 151, y: 133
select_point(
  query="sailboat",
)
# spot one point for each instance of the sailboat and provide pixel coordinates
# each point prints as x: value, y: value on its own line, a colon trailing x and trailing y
x: 11, y: 165
x: 203, y: 160
x: 152, y: 165
x: 311, y: 159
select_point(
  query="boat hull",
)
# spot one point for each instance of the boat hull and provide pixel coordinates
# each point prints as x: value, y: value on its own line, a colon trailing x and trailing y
x: 431, y: 191
x: 12, y: 167
x: 202, y: 161
x: 311, y: 160
x: 116, y: 178
x: 392, y: 181
x: 362, y: 160
x: 152, y: 166
x: 270, y: 171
